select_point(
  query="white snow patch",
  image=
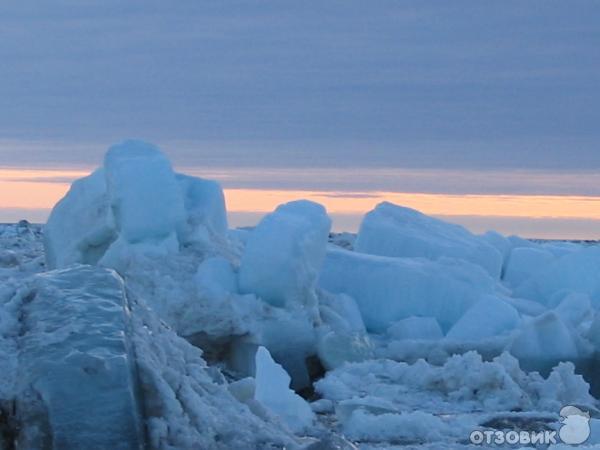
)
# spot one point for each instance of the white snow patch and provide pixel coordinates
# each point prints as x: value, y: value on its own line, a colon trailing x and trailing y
x: 452, y: 399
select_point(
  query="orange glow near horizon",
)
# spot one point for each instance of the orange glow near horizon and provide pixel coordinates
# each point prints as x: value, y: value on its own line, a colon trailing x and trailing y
x: 41, y: 189
x: 34, y: 188
x: 533, y: 206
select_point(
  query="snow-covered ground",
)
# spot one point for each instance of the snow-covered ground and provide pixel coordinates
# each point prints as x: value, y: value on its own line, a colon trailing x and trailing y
x: 136, y: 318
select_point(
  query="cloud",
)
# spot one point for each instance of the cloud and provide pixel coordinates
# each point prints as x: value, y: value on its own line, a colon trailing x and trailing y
x: 401, y: 84
x: 353, y: 182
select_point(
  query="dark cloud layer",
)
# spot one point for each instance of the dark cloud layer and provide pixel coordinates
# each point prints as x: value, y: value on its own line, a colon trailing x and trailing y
x: 279, y: 83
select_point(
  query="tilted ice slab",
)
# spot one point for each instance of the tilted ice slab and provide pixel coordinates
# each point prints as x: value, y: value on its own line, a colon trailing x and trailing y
x: 280, y: 265
x: 576, y: 271
x: 523, y: 262
x: 392, y: 230
x: 390, y: 289
x: 284, y: 253
x: 81, y: 226
x: 273, y: 391
x: 135, y: 200
x: 76, y: 385
x: 546, y: 340
x: 489, y: 317
x: 96, y: 367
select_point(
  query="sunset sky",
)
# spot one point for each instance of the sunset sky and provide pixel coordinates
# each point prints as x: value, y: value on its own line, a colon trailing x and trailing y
x: 484, y: 113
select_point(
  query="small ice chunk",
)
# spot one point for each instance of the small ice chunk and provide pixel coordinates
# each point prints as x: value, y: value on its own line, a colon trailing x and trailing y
x: 8, y: 258
x: 336, y: 348
x: 593, y: 333
x: 134, y: 200
x: 341, y: 313
x: 243, y: 389
x: 414, y: 327
x: 526, y: 307
x: 332, y: 441
x: 574, y: 272
x: 575, y: 308
x: 523, y: 262
x: 369, y: 403
x: 491, y: 316
x: 413, y: 426
x: 284, y: 253
x: 143, y: 192
x: 80, y: 227
x: 498, y: 241
x: 291, y: 338
x: 543, y: 342
x: 322, y: 406
x: 463, y: 383
x: 216, y: 278
x: 274, y: 393
x: 204, y: 206
x: 343, y: 337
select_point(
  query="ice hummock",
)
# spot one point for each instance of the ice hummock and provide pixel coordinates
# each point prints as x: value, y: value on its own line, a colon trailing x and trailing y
x: 75, y: 351
x: 342, y: 335
x: 545, y: 341
x: 166, y: 234
x: 523, y: 262
x: 280, y: 264
x: 499, y: 317
x: 81, y: 226
x: 284, y: 253
x: 415, y: 328
x: 204, y: 204
x: 425, y: 298
x: 388, y: 289
x: 143, y: 194
x: 135, y: 202
x: 97, y: 369
x: 575, y: 271
x: 392, y: 230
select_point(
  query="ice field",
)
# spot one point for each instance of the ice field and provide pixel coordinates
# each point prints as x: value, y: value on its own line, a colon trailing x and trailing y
x: 136, y: 318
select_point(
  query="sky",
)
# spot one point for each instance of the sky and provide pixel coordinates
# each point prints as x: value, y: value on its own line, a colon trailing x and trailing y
x: 365, y: 101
